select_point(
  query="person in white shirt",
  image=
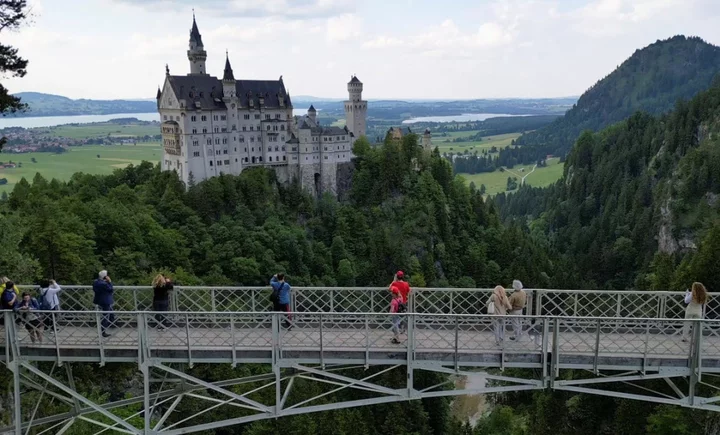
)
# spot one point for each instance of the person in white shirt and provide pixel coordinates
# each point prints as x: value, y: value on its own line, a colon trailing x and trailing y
x: 49, y: 300
x: 695, y: 300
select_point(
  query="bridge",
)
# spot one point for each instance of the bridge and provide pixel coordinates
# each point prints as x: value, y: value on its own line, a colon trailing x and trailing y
x: 340, y: 337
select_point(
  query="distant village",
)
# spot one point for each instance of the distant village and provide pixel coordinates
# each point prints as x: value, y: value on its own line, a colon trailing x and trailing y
x: 21, y: 140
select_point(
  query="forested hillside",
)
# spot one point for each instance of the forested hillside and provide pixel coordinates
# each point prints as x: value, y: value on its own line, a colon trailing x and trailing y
x: 639, y: 203
x: 652, y: 80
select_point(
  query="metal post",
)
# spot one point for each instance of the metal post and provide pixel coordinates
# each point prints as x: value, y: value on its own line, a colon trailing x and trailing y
x: 367, y: 341
x: 55, y: 333
x: 410, y: 340
x: 234, y: 347
x: 187, y: 337
x: 276, y: 362
x: 146, y: 396
x: 15, y: 366
x: 694, y: 361
x: 98, y: 318
x: 332, y: 301
x: 597, y: 347
x: 545, y: 349
x: 457, y: 327
x: 322, y: 355
x: 647, y: 346
x: 618, y: 305
x: 556, y: 351
x: 538, y: 304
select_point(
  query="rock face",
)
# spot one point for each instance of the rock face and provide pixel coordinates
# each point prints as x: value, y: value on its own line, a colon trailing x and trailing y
x: 666, y: 241
x: 344, y: 176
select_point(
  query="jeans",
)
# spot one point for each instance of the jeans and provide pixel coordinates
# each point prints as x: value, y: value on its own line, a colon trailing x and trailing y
x: 517, y: 322
x: 51, y: 319
x: 283, y: 308
x: 396, y: 320
x: 499, y: 329
x: 108, y: 318
x: 161, y: 305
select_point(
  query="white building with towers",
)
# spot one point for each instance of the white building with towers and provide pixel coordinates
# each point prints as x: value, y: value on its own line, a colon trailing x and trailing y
x: 212, y: 126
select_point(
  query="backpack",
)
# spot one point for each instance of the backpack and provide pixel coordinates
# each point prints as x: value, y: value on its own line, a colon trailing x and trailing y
x: 42, y: 300
x: 275, y: 295
x: 402, y: 307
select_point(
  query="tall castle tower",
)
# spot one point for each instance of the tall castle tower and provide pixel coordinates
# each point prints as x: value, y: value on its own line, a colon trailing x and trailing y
x: 196, y: 54
x: 355, y: 108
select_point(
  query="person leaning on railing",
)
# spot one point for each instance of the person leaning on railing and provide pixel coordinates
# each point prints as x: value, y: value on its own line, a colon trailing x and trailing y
x: 499, y: 305
x: 281, y: 297
x: 27, y: 308
x: 49, y: 301
x: 161, y: 298
x: 695, y: 300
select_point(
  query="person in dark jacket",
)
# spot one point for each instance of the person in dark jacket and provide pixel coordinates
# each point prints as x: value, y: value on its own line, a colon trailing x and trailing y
x: 103, y: 289
x: 8, y: 299
x: 282, y: 303
x: 28, y: 308
x: 161, y: 298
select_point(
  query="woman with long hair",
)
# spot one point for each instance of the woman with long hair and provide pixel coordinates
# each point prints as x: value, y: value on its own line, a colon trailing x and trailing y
x: 695, y: 300
x: 499, y: 305
x: 161, y: 298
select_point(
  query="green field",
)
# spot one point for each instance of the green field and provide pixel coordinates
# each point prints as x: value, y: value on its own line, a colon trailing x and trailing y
x: 77, y: 159
x: 496, y: 182
x: 499, y: 141
x: 103, y: 129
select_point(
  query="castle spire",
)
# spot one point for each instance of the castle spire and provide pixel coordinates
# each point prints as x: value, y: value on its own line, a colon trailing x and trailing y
x: 195, y: 33
x: 228, y: 75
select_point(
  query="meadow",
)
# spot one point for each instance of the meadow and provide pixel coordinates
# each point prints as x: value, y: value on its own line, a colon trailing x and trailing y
x: 77, y: 159
x: 102, y: 129
x: 496, y: 182
x: 487, y: 142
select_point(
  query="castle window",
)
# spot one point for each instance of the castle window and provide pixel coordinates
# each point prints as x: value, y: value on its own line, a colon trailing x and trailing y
x: 227, y: 162
x: 268, y: 128
x: 282, y: 138
x: 251, y: 128
x: 217, y: 152
x: 165, y: 117
x: 326, y: 157
x: 276, y: 148
x: 217, y: 141
x: 193, y: 118
x: 325, y: 139
x: 244, y: 128
x: 224, y: 129
x: 242, y: 139
x: 209, y: 141
x: 282, y: 127
x: 203, y: 118
x: 194, y: 130
x: 343, y: 138
x: 235, y: 149
x: 252, y: 150
x: 325, y: 148
x: 245, y: 150
x: 196, y: 143
x: 219, y: 162
x: 235, y: 160
x: 246, y: 116
x: 246, y: 159
x: 283, y: 147
x: 234, y: 128
x: 210, y: 162
x: 277, y: 116
x: 215, y: 117
x: 267, y: 116
x: 271, y: 158
x: 225, y: 151
x: 252, y: 138
x: 217, y: 129
x: 204, y: 130
x: 257, y: 116
x: 284, y: 158
x: 260, y: 158
x: 223, y: 117
x: 224, y: 140
x: 293, y: 149
x: 196, y: 154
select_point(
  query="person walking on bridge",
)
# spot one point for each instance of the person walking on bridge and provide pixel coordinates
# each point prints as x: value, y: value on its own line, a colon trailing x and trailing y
x: 281, y: 297
x: 104, y: 300
x: 499, y: 305
x: 695, y: 300
x: 8, y: 298
x: 518, y: 300
x: 400, y: 286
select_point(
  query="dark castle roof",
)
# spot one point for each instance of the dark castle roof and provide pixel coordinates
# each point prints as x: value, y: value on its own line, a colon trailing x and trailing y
x: 202, y: 91
x: 354, y: 79
x: 312, y: 109
x: 195, y: 33
x: 228, y: 74
x: 306, y: 123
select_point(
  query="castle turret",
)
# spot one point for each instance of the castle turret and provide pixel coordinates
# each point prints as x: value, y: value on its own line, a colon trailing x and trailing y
x: 312, y: 114
x: 158, y: 97
x: 228, y: 80
x: 426, y: 141
x: 355, y: 108
x: 196, y: 54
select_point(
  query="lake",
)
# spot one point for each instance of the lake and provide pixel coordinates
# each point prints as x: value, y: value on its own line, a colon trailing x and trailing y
x: 51, y: 121
x: 465, y: 117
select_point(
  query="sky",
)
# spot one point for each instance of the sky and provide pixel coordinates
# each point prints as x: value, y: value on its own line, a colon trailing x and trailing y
x: 403, y: 49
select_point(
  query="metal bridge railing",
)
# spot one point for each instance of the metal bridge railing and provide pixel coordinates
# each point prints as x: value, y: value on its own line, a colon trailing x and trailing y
x: 568, y: 303
x: 324, y: 335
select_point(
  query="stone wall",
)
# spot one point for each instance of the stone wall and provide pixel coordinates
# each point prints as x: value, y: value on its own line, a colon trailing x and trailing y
x: 344, y: 180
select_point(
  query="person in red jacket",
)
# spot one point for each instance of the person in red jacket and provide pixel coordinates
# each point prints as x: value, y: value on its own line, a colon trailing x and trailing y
x: 401, y: 287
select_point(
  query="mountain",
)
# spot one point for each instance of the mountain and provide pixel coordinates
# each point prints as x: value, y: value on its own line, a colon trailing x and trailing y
x: 639, y: 202
x: 651, y: 80
x: 55, y: 105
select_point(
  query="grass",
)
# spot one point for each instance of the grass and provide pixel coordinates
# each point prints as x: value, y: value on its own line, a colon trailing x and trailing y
x: 496, y: 182
x: 77, y: 159
x: 102, y: 129
x: 499, y: 141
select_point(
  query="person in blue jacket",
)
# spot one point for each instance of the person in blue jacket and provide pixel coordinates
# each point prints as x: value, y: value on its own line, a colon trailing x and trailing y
x: 282, y: 302
x: 103, y: 289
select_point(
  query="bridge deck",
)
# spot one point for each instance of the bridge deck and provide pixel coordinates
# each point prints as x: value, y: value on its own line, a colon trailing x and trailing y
x: 630, y: 350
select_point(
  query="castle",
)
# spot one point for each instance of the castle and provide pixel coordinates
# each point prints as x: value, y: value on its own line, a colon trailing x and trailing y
x: 212, y: 126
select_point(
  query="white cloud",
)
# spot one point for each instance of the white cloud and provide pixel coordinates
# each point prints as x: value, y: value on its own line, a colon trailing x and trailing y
x: 343, y: 27
x: 383, y: 42
x: 294, y: 9
x: 613, y: 17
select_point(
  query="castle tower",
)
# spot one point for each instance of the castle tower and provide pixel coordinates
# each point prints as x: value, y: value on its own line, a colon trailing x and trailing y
x: 312, y: 113
x: 228, y: 81
x: 426, y: 142
x: 196, y: 54
x: 355, y: 108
